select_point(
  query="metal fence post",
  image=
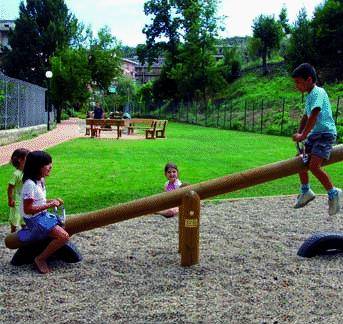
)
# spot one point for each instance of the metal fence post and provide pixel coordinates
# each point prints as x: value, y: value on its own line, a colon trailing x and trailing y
x: 196, y: 113
x: 253, y: 116
x: 6, y: 103
x: 225, y: 106
x: 18, y: 104
x: 245, y: 115
x: 337, y: 109
x: 262, y: 116
x: 231, y: 107
x: 282, y: 116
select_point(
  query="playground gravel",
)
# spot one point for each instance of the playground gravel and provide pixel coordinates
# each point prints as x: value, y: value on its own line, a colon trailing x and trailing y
x: 249, y: 271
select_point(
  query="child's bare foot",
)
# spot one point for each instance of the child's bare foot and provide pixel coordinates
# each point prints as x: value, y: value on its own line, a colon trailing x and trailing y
x: 42, y: 266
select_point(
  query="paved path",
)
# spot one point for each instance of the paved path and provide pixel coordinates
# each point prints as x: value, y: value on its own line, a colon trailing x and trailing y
x: 65, y: 131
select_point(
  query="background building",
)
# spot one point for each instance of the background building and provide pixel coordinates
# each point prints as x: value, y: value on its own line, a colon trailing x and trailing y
x: 5, y: 27
x: 141, y: 73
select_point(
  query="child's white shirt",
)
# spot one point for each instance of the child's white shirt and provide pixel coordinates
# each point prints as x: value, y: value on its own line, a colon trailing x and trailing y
x: 35, y: 191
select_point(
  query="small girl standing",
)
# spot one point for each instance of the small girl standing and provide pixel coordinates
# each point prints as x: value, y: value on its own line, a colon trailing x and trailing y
x: 172, y: 174
x: 34, y: 205
x: 15, y: 185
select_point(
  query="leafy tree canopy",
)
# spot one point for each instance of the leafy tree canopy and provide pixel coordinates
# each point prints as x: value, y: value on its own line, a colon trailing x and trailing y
x: 43, y: 28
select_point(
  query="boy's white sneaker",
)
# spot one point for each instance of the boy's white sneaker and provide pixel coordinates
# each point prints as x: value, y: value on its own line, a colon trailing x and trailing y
x: 304, y: 199
x: 335, y: 203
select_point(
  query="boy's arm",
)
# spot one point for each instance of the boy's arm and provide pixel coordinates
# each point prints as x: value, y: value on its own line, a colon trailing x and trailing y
x: 308, y: 125
x: 10, y: 195
x: 302, y: 123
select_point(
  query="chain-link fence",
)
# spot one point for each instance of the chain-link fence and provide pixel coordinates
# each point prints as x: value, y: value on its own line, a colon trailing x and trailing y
x: 22, y: 104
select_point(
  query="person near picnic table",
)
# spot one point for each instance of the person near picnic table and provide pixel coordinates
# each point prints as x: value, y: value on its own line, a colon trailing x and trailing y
x: 126, y: 115
x: 98, y: 111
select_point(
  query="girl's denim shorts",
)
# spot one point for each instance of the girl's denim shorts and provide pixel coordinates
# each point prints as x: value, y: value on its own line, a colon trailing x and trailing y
x: 38, y: 227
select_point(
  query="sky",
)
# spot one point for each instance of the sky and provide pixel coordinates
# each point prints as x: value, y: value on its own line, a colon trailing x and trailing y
x: 126, y: 18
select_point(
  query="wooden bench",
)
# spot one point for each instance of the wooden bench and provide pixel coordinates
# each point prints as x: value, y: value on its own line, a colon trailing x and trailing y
x: 161, y: 126
x: 158, y: 130
x: 140, y: 123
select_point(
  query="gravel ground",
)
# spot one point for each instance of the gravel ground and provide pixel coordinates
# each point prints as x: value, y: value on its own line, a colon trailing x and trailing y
x: 249, y: 271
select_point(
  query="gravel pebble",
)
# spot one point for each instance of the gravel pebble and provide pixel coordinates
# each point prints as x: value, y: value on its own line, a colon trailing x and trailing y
x: 249, y: 271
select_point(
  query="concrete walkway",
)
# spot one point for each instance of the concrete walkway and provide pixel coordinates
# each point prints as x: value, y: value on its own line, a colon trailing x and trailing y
x: 65, y: 131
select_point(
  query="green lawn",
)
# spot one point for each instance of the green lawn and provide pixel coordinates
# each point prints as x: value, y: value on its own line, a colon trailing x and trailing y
x: 90, y: 174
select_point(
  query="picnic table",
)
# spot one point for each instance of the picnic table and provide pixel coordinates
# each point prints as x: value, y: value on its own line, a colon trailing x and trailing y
x: 95, y: 125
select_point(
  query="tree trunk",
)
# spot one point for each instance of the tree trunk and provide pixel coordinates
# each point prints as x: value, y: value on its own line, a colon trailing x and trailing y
x: 58, y: 114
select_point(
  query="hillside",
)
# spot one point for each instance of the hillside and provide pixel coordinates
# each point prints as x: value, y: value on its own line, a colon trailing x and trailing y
x: 252, y: 85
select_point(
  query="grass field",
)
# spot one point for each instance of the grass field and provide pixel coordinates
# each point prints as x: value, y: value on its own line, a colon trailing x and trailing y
x: 90, y: 174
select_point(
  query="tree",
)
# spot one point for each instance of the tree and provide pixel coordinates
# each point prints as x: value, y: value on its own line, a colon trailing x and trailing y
x: 43, y: 28
x: 268, y: 31
x: 162, y: 39
x: 163, y: 35
x: 104, y: 59
x: 283, y: 20
x: 197, y: 72
x: 231, y: 65
x: 71, y: 76
x: 328, y: 37
x: 300, y: 47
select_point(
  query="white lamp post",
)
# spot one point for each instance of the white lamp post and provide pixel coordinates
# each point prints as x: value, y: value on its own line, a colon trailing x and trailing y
x: 48, y: 75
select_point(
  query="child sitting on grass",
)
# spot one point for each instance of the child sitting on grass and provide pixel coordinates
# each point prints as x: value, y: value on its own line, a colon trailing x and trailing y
x: 172, y: 174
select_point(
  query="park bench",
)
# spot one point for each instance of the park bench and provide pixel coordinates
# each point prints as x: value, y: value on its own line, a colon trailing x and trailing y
x: 140, y: 124
x: 158, y: 130
x: 161, y: 126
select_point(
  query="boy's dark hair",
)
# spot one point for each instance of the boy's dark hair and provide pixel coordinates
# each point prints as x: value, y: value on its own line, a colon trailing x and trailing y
x: 304, y: 71
x: 17, y: 155
x: 33, y: 165
x: 170, y: 165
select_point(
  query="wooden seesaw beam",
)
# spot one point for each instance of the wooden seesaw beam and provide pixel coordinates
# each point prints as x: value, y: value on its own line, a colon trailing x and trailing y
x: 210, y: 188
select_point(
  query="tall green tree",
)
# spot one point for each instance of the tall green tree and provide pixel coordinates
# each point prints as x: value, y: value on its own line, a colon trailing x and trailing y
x: 300, y: 47
x: 231, y: 64
x: 43, y: 28
x: 90, y: 65
x: 328, y: 37
x: 197, y: 74
x: 104, y: 59
x: 71, y: 77
x: 269, y: 32
x: 283, y: 20
x: 162, y: 40
x: 184, y: 33
x: 163, y: 34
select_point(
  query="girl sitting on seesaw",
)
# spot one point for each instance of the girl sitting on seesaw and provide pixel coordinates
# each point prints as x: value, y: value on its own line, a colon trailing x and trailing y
x: 34, y: 207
